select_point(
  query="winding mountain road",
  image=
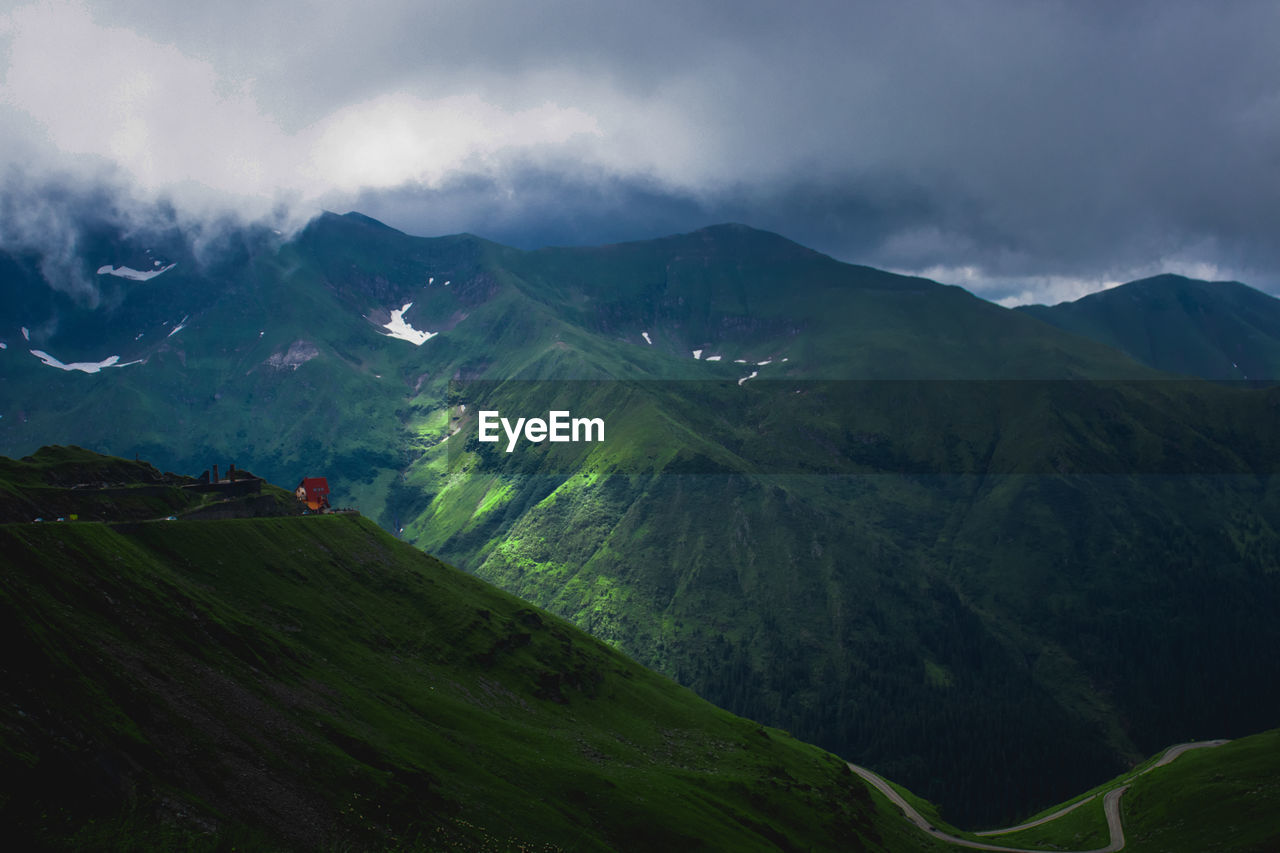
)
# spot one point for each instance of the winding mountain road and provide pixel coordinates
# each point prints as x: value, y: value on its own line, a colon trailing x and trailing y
x: 1110, y: 806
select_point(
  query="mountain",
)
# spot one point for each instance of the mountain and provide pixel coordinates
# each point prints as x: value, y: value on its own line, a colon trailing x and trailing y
x: 287, y: 682
x: 886, y: 515
x: 1215, y: 330
x: 295, y: 682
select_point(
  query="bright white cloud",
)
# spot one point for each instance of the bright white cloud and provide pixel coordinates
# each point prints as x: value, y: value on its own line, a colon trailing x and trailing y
x: 397, y: 138
x: 166, y: 118
x: 173, y: 123
x: 1054, y: 289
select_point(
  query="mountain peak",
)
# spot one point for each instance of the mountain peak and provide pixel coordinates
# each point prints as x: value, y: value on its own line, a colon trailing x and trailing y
x: 732, y: 228
x: 1169, y: 281
x: 736, y: 236
x: 1210, y: 329
x: 356, y: 216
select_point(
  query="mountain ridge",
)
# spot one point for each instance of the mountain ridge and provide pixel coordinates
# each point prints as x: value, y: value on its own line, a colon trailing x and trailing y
x: 304, y: 682
x: 1221, y: 330
x: 802, y: 548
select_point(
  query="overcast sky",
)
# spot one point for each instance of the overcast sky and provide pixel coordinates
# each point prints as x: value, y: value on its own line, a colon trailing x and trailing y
x: 1030, y: 151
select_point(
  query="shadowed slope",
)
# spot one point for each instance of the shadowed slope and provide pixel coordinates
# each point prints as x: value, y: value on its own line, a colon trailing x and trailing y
x: 310, y: 682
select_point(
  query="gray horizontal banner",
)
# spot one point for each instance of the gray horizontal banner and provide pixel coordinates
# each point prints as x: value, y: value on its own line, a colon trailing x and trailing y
x: 865, y: 427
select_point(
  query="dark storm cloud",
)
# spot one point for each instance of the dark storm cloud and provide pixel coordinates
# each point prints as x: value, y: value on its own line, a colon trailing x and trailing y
x: 1024, y: 149
x: 533, y: 207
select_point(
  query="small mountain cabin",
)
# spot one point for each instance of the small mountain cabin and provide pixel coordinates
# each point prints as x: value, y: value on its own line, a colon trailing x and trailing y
x: 314, y: 492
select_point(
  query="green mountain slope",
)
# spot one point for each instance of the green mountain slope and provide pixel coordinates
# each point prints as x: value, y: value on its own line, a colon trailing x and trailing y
x: 893, y: 518
x: 1215, y: 330
x: 1221, y: 799
x: 311, y: 683
x: 740, y: 293
x: 909, y: 611
x: 1206, y: 795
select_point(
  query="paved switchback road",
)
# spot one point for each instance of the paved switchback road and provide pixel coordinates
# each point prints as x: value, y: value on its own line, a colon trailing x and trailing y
x: 1110, y: 807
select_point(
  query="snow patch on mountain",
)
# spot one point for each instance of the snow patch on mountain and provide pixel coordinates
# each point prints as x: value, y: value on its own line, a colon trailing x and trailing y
x: 647, y: 340
x: 697, y: 353
x: 713, y: 358
x: 82, y: 366
x: 179, y: 327
x: 3, y: 345
x: 753, y: 375
x: 132, y: 274
x: 26, y: 333
x: 401, y: 330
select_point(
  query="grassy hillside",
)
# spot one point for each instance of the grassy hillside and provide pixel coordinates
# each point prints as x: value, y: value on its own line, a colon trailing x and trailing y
x: 906, y: 573
x: 1202, y: 796
x: 740, y: 293
x: 310, y: 683
x: 1220, y: 798
x: 1212, y: 329
x: 922, y: 523
x: 1223, y: 799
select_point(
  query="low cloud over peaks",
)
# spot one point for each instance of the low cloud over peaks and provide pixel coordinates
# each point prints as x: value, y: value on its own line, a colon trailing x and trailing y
x: 1021, y: 143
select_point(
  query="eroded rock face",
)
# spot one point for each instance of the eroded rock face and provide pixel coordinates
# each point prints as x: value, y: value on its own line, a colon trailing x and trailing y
x: 299, y: 353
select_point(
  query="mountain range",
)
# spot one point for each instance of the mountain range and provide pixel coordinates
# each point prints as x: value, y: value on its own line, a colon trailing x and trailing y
x: 899, y: 521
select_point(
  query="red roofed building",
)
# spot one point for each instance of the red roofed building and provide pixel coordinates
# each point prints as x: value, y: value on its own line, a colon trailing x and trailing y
x: 314, y: 491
